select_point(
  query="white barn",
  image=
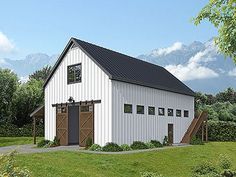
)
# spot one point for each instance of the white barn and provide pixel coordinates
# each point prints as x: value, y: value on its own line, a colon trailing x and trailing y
x: 111, y: 97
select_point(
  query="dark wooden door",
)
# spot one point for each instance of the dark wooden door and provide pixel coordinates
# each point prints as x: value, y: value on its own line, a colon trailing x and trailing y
x: 62, y: 125
x: 86, y: 124
x: 170, y: 133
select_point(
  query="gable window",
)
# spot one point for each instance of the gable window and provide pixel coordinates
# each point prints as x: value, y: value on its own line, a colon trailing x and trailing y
x: 127, y: 108
x: 161, y: 111
x: 140, y: 109
x: 74, y: 73
x: 151, y: 110
x: 170, y: 112
x: 186, y: 113
x: 178, y: 113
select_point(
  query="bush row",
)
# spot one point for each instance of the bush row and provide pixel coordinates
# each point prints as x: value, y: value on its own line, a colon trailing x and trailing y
x: 221, y: 131
x: 11, y: 130
x: 113, y: 147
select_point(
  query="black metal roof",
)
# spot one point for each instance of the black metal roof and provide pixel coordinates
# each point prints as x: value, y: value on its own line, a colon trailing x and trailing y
x: 124, y: 68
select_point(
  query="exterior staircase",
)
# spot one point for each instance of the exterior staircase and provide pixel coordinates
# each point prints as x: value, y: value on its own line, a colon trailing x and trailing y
x: 194, y: 127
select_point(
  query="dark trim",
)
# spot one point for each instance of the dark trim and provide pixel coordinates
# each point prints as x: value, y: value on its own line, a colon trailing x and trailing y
x: 77, y: 103
x: 68, y: 83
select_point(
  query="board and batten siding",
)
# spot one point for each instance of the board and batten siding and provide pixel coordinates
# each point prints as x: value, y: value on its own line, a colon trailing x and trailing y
x: 127, y: 128
x: 95, y: 85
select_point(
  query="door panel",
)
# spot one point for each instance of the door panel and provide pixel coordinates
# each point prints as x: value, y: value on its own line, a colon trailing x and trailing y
x: 170, y: 133
x: 86, y: 124
x: 73, y: 125
x: 62, y: 125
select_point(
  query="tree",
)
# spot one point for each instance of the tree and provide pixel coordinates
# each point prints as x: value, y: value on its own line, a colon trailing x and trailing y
x: 41, y: 74
x: 8, y: 86
x: 222, y: 14
x: 26, y: 99
x: 228, y: 95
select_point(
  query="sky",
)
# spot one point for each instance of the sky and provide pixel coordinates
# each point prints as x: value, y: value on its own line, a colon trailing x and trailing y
x: 132, y: 27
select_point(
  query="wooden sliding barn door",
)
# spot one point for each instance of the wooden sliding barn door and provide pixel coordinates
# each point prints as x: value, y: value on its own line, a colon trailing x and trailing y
x: 62, y: 124
x: 86, y: 124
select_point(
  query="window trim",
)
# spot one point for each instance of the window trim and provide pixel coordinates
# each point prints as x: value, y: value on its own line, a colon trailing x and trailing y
x: 163, y: 111
x: 131, y: 108
x: 172, y: 112
x: 154, y: 110
x: 180, y: 113
x: 68, y: 73
x: 137, y: 109
x: 186, y: 111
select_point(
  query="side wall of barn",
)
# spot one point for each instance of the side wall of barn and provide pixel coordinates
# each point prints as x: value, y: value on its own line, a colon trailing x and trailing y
x: 129, y: 127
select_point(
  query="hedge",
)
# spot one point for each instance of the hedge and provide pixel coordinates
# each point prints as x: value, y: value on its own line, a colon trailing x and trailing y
x: 221, y: 131
x: 11, y: 130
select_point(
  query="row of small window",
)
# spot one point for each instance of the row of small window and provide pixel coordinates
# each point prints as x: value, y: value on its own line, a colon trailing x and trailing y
x: 151, y: 111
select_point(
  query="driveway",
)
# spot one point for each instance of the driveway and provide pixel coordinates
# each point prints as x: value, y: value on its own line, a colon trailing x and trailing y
x: 29, y: 148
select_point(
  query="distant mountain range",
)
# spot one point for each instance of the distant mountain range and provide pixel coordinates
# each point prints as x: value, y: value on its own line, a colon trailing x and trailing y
x: 198, y: 65
x: 24, y: 67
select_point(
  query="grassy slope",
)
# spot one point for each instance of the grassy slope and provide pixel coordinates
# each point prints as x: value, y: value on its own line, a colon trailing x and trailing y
x: 176, y: 162
x: 8, y: 141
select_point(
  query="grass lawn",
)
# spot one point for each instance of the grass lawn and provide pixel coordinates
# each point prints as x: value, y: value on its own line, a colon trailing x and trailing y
x: 176, y: 162
x: 8, y: 141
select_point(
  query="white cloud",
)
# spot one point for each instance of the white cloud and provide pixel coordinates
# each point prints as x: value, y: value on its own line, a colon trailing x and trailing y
x: 167, y: 50
x: 194, y: 68
x: 232, y: 72
x: 6, y: 46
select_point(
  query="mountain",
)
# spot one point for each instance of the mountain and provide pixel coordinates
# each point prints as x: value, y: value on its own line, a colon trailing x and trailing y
x: 24, y: 67
x: 199, y: 65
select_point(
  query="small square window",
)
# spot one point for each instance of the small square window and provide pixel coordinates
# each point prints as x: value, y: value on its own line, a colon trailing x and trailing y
x: 178, y: 113
x: 170, y: 112
x: 140, y: 109
x: 186, y: 113
x: 161, y: 111
x: 127, y: 108
x: 151, y: 110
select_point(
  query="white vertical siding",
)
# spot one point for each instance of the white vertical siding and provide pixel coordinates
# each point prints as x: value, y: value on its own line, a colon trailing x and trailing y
x: 127, y: 128
x: 95, y: 85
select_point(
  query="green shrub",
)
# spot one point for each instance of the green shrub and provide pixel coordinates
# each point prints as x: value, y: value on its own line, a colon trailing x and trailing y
x: 156, y: 143
x: 138, y: 145
x: 126, y: 147
x: 11, y: 130
x: 88, y: 143
x: 56, y: 142
x: 196, y: 141
x: 165, y: 141
x: 221, y: 131
x: 208, y: 169
x: 9, y: 168
x: 205, y: 168
x: 150, y: 145
x: 42, y: 143
x: 150, y: 174
x: 95, y: 147
x: 112, y: 147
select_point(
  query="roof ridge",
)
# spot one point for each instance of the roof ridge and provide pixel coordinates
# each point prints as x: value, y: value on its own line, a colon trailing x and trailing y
x: 130, y: 57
